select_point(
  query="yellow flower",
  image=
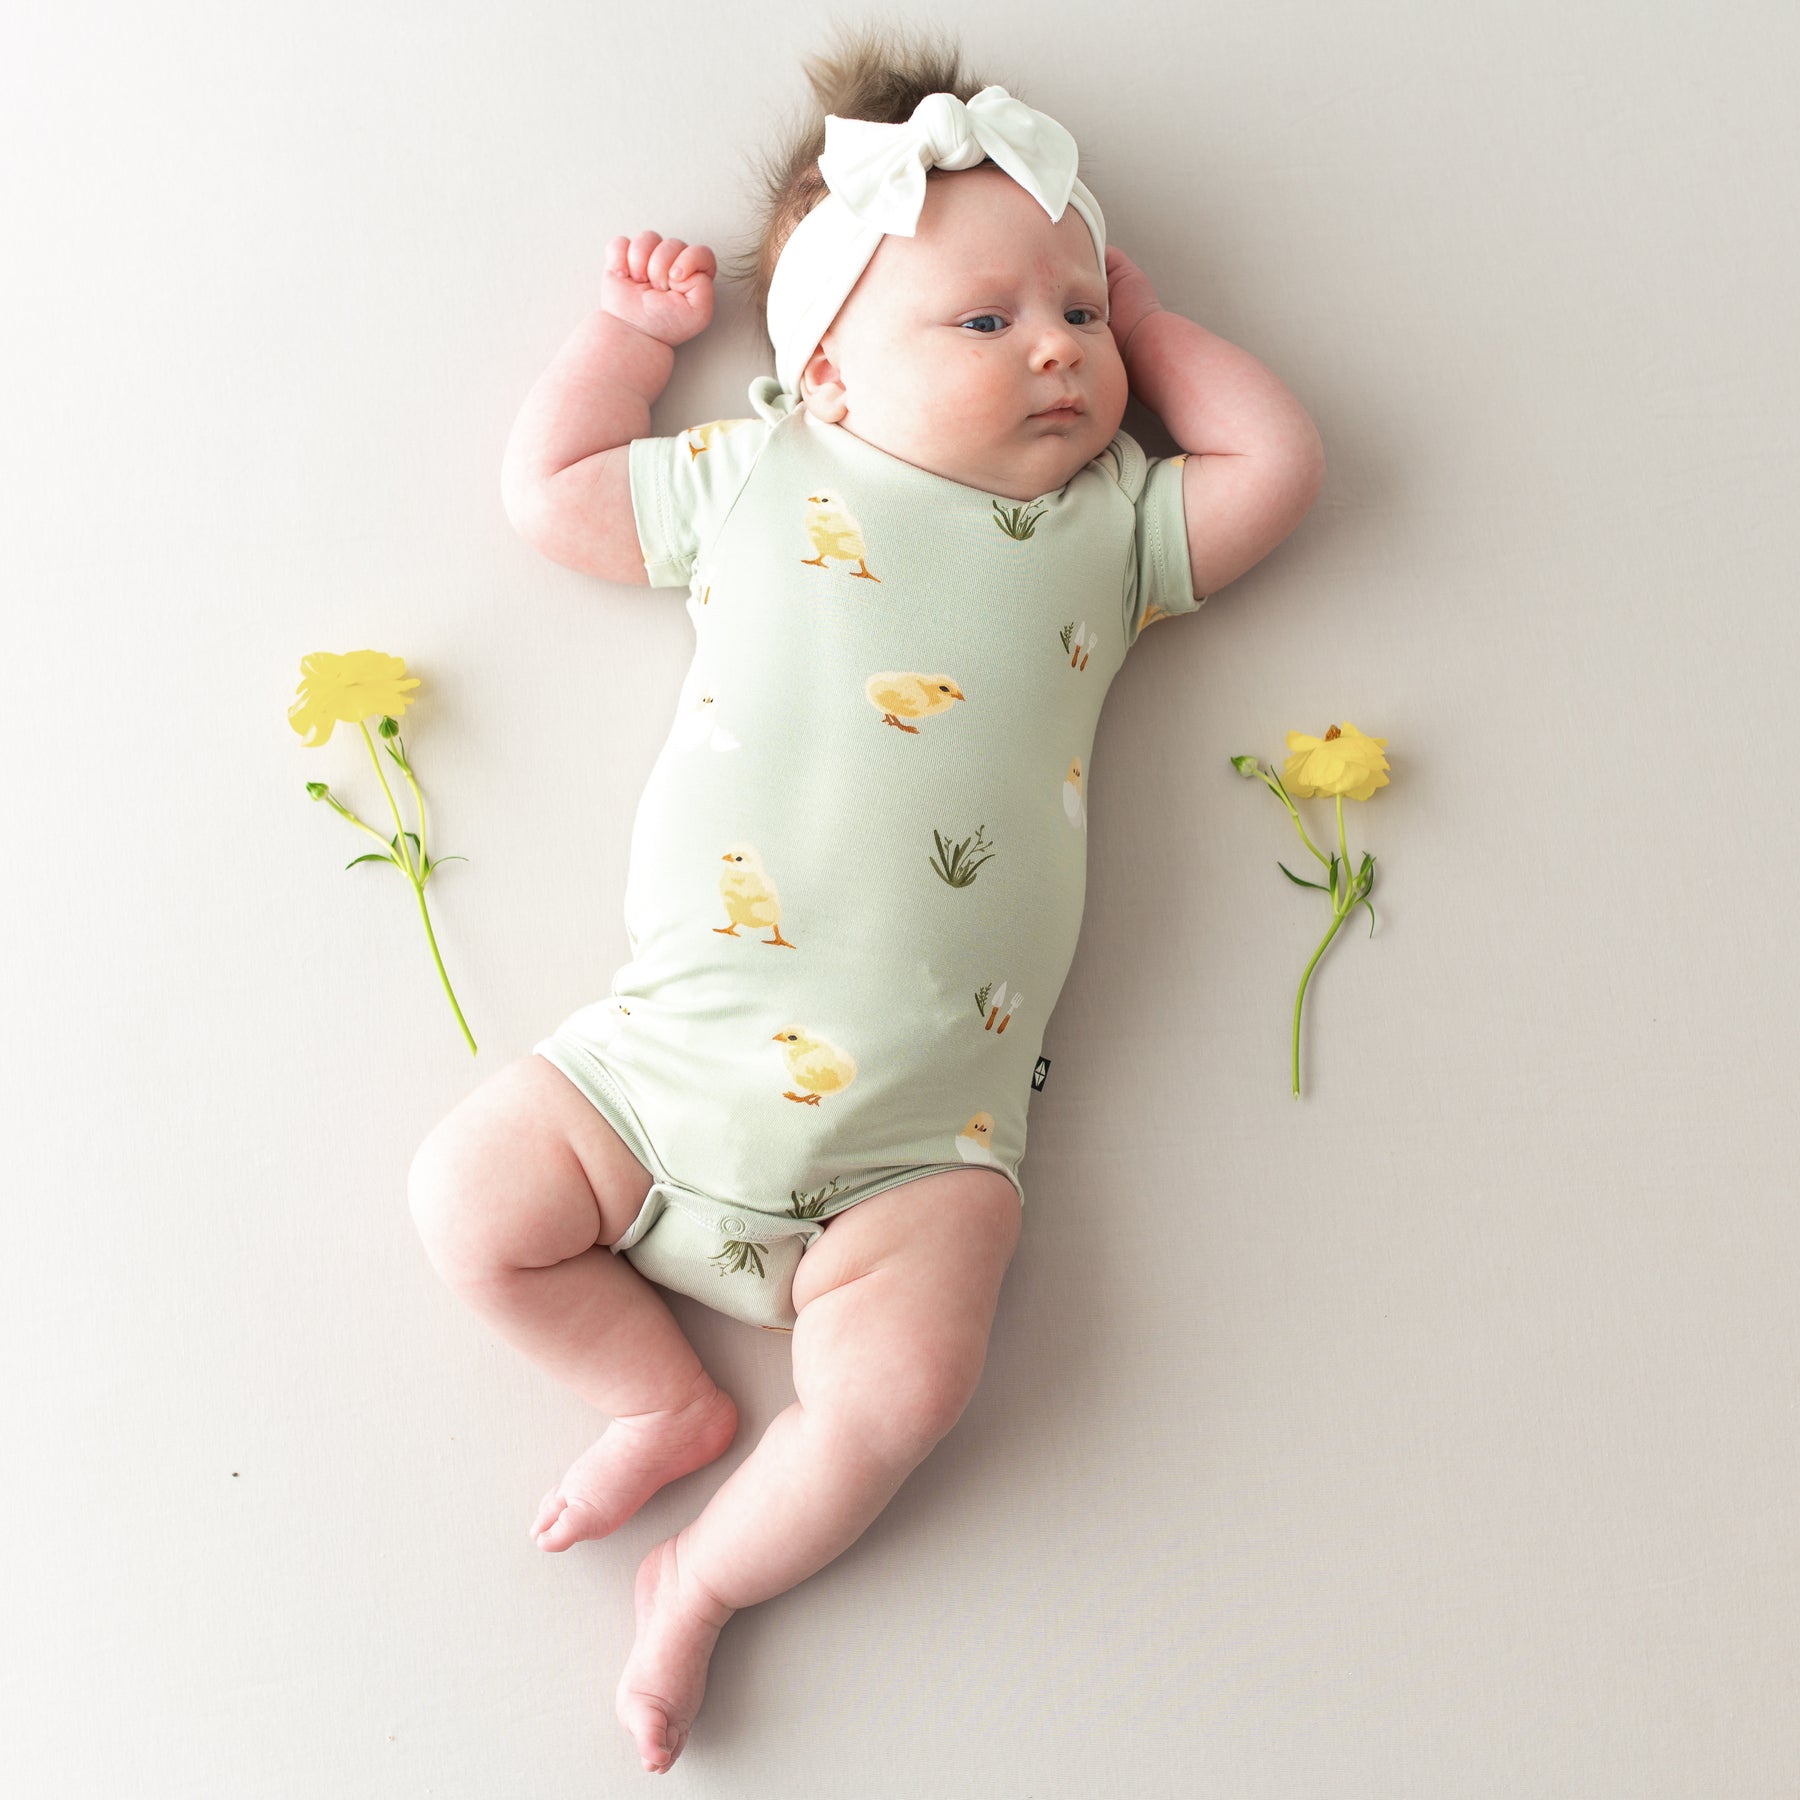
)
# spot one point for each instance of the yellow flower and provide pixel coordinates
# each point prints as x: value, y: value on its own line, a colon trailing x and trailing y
x: 346, y: 690
x: 1343, y: 761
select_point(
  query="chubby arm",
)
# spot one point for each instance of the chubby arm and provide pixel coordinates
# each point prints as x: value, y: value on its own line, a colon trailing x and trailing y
x: 1255, y: 461
x: 564, y: 480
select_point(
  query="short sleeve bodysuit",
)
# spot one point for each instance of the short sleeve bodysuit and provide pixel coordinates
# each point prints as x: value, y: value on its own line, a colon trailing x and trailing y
x: 858, y: 867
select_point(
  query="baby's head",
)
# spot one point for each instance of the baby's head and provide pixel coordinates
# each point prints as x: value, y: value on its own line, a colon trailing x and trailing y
x: 954, y: 337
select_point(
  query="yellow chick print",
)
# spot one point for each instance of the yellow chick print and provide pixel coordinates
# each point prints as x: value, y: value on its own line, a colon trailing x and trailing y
x: 975, y: 1142
x: 697, y: 726
x: 609, y: 1019
x: 896, y: 695
x: 815, y: 1065
x: 749, y: 895
x: 832, y: 531
x: 1074, y: 802
x: 703, y: 437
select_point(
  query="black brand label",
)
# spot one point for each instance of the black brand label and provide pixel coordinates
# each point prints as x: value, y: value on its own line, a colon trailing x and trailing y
x: 1040, y: 1074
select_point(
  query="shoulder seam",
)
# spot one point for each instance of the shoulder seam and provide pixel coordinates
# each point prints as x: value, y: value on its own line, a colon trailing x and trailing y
x: 703, y: 545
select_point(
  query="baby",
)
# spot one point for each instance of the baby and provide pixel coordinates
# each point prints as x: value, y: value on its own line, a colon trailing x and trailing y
x: 912, y: 577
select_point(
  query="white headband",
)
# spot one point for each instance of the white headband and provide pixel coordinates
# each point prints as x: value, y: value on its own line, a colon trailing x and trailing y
x: 876, y: 174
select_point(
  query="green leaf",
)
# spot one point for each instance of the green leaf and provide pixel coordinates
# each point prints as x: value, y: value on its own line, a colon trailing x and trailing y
x: 1295, y: 879
x: 1371, y: 919
x: 425, y: 875
x: 373, y: 856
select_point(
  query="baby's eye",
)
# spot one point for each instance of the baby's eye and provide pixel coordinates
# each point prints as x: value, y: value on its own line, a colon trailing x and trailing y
x: 1088, y: 313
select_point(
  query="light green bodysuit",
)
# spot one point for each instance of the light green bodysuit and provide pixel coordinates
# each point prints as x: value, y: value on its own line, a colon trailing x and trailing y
x: 858, y: 866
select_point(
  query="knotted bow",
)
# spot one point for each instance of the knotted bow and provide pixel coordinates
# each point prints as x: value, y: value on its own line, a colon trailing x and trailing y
x: 878, y: 171
x: 876, y: 176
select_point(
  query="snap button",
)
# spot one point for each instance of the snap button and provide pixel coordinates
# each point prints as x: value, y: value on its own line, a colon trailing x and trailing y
x: 733, y: 1225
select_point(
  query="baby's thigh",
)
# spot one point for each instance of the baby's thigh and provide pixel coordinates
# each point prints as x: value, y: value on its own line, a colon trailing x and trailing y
x: 895, y: 1300
x: 522, y: 1173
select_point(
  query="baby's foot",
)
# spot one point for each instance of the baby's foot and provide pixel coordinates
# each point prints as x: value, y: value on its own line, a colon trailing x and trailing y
x: 627, y: 1463
x: 665, y: 1676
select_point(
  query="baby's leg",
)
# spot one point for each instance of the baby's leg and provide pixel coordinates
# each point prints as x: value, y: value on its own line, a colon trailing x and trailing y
x: 894, y: 1302
x: 517, y: 1193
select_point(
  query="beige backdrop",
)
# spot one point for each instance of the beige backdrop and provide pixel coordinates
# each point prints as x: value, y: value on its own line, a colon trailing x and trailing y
x: 1432, y: 1438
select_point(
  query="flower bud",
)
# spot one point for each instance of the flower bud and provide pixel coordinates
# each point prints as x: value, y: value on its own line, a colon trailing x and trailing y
x: 318, y: 790
x: 388, y: 727
x: 1247, y: 766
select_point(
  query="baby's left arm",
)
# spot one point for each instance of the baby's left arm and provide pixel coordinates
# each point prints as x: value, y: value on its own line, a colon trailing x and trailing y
x: 1255, y: 463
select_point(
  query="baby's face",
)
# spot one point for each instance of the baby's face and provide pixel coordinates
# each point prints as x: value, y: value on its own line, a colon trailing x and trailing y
x: 955, y: 337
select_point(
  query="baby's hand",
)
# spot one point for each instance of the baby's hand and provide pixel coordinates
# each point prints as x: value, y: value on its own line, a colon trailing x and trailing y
x: 1129, y: 295
x: 661, y: 285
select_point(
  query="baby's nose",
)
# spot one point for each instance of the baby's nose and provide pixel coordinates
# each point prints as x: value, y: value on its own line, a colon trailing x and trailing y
x: 1057, y: 346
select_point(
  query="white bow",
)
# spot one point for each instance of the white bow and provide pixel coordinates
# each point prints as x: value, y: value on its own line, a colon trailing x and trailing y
x: 876, y: 177
x: 878, y: 171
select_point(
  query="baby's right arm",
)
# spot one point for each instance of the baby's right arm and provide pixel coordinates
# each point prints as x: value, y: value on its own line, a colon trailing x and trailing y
x: 565, y: 481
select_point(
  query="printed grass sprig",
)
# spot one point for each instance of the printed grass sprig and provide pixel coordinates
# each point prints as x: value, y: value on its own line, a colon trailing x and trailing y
x: 348, y: 690
x: 1017, y: 521
x: 1342, y: 762
x: 738, y: 1257
x: 958, y: 863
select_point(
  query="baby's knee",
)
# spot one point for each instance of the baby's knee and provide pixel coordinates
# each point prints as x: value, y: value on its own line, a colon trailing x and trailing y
x: 896, y: 1393
x: 493, y: 1189
x: 445, y: 1211
x: 488, y: 1210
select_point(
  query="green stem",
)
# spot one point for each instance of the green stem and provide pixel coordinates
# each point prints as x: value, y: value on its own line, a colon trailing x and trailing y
x: 431, y: 936
x: 1337, y: 920
x: 412, y: 876
x: 345, y: 812
x: 419, y: 802
x: 393, y: 804
x: 1273, y: 782
x: 1344, y: 852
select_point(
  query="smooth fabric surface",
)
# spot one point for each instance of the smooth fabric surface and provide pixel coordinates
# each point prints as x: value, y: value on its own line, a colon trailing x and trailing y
x: 859, y: 864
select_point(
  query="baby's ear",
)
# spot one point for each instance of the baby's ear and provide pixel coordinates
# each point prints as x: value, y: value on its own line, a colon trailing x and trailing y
x: 822, y: 389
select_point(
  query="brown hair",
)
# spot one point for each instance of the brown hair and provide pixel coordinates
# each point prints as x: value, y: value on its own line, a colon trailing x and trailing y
x: 873, y: 72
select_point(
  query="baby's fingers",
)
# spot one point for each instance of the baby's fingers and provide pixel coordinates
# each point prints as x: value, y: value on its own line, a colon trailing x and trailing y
x: 677, y: 263
x: 641, y: 253
x: 696, y: 259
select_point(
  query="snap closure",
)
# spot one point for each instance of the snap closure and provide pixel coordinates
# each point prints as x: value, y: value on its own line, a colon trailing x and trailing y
x: 733, y: 1225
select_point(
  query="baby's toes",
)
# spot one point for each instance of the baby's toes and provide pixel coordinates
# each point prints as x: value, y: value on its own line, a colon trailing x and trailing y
x: 549, y: 1510
x: 659, y: 1738
x: 575, y: 1522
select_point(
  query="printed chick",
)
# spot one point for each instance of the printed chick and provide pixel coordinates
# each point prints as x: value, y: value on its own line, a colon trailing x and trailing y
x: 606, y: 1018
x: 703, y: 437
x: 832, y: 531
x: 975, y: 1142
x: 914, y: 696
x: 815, y: 1065
x: 749, y: 895
x: 1073, y: 802
x: 697, y: 727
